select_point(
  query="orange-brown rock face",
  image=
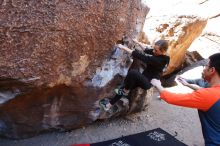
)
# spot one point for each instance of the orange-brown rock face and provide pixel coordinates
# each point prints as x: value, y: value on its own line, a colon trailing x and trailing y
x: 62, y: 41
x: 58, y: 53
x: 181, y: 39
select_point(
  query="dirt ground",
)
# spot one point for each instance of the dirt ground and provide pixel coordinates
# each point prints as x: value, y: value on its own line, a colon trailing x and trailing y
x: 183, y: 123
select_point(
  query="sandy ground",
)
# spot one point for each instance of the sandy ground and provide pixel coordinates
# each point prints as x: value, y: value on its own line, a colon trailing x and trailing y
x: 183, y: 123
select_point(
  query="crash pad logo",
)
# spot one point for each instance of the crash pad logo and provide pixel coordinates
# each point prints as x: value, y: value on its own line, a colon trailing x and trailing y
x: 119, y: 143
x: 157, y: 136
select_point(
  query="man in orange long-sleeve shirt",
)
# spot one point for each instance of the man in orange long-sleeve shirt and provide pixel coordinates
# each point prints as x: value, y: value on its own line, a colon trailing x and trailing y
x: 206, y: 100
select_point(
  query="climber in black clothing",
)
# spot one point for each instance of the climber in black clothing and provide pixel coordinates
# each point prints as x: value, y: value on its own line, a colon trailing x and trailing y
x: 155, y: 59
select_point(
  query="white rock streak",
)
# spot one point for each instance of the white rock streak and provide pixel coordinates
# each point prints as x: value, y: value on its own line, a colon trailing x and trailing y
x: 116, y: 65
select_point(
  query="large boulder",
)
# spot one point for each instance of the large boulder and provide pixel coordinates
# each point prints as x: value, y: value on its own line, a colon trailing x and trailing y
x: 56, y: 60
x: 59, y: 41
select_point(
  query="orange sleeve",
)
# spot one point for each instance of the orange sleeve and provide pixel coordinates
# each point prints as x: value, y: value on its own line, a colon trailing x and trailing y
x: 201, y: 99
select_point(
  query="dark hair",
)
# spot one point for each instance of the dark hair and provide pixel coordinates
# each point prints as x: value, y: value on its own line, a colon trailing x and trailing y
x: 163, y: 44
x: 215, y: 62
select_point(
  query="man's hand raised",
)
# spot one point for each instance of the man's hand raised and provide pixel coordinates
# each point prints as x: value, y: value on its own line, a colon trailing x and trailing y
x: 157, y: 84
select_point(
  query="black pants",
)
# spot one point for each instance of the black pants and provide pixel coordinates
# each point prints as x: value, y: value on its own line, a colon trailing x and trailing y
x: 133, y: 80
